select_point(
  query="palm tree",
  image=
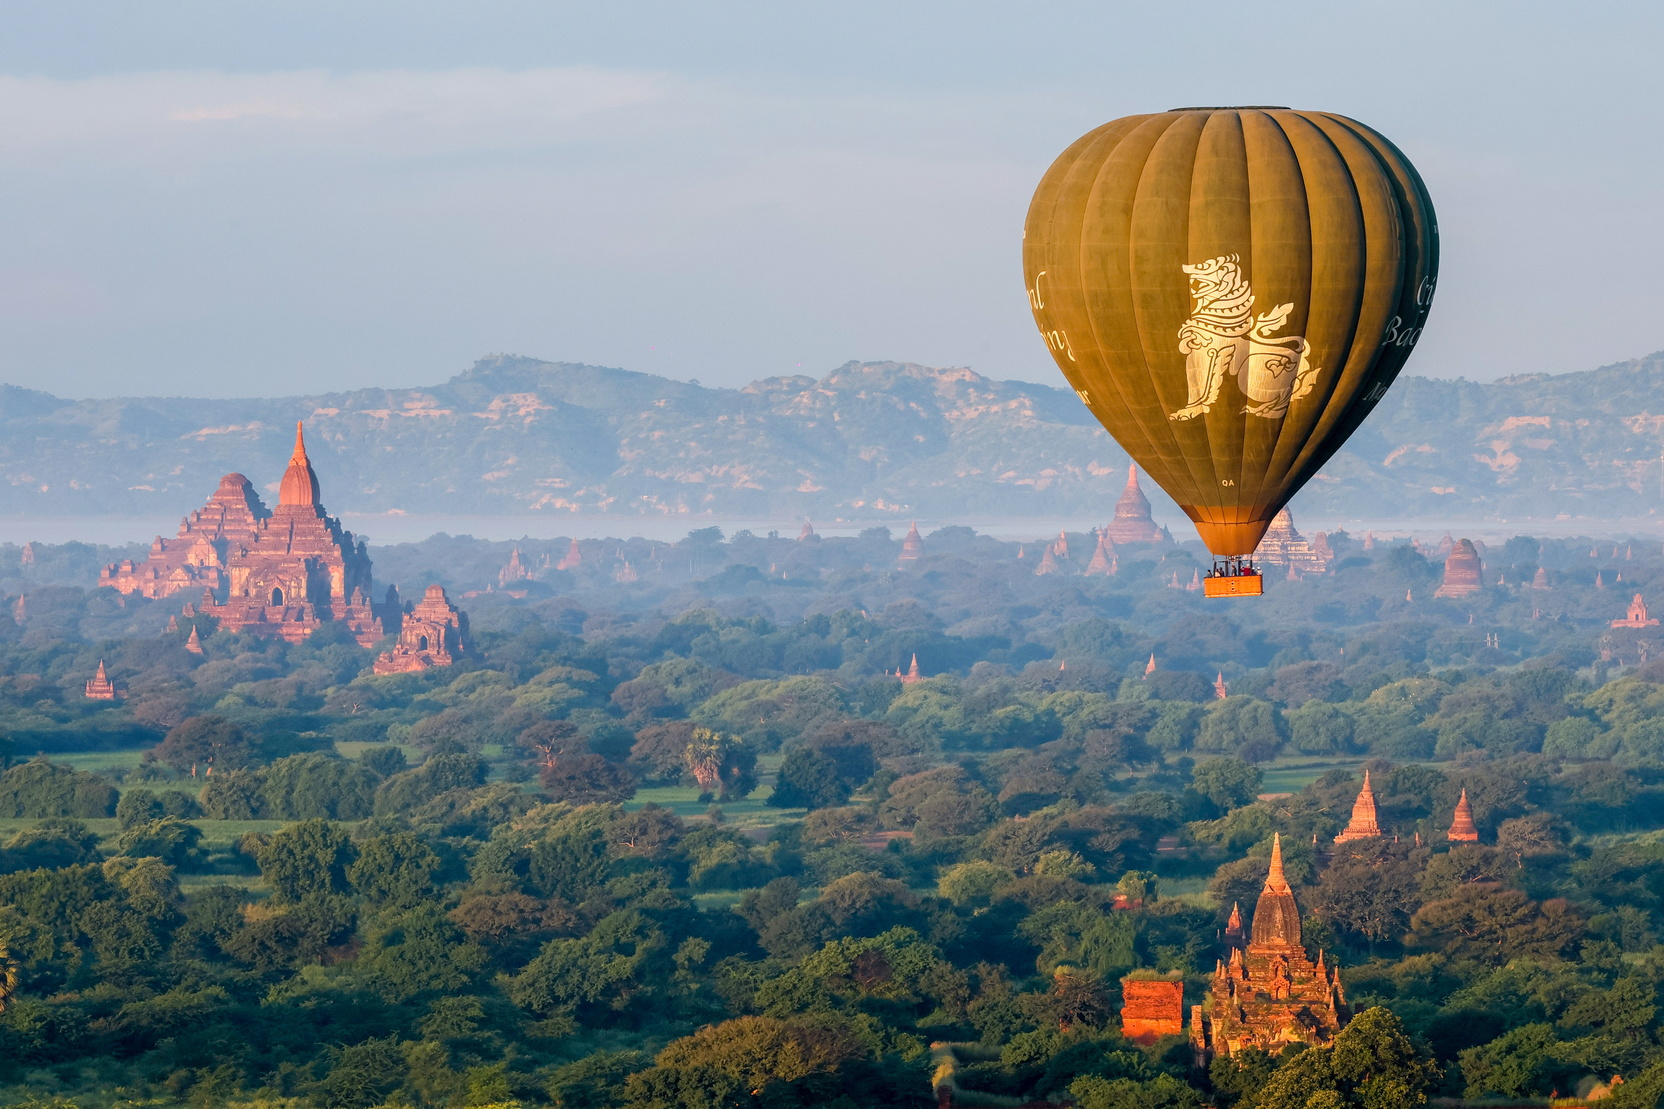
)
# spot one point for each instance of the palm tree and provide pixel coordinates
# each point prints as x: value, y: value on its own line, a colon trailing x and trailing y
x: 707, y: 752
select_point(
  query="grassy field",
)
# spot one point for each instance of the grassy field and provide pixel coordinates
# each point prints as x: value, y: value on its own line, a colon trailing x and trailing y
x: 101, y: 761
x: 1293, y: 774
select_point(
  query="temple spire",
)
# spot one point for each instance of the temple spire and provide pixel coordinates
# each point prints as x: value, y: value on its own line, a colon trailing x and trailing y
x: 1364, y: 823
x: 300, y: 481
x: 1275, y: 880
x: 1462, y: 828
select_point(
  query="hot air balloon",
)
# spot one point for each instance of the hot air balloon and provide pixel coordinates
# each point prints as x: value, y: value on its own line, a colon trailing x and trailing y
x: 1231, y: 291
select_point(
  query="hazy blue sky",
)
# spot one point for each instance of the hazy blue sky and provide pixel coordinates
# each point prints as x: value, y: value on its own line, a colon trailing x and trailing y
x: 225, y: 198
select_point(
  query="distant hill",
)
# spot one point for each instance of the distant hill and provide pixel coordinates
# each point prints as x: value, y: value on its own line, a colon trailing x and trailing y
x: 881, y: 439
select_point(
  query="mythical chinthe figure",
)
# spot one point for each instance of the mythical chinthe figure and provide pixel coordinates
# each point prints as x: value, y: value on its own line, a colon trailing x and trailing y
x: 1223, y: 336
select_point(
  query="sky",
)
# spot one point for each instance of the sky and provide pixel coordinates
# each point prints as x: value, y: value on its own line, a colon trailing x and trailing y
x: 221, y: 198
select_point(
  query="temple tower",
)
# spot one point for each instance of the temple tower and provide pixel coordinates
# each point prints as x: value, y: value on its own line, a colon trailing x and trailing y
x: 1463, y: 572
x: 912, y: 548
x: 1101, y: 564
x: 100, y: 687
x: 1133, y: 523
x: 1462, y: 827
x: 1269, y: 993
x: 1363, y: 824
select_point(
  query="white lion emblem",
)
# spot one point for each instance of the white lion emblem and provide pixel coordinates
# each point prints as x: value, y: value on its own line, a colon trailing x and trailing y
x: 1222, y: 336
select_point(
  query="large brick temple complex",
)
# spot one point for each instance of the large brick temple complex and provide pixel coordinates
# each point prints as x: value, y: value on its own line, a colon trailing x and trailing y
x: 285, y: 571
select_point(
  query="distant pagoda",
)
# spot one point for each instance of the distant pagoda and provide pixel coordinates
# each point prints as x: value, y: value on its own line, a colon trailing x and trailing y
x: 1103, y: 564
x: 100, y: 687
x: 514, y: 571
x: 1462, y: 827
x: 1364, y: 824
x: 1048, y: 564
x: 912, y: 548
x: 574, y: 558
x: 1636, y: 617
x: 1282, y: 545
x: 1133, y: 523
x: 1463, y: 572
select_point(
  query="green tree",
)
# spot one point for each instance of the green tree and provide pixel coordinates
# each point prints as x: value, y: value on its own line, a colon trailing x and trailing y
x: 1227, y: 782
x: 204, y: 743
x: 1372, y: 1064
x: 1319, y: 728
x: 318, y: 787
x: 236, y: 795
x: 174, y: 841
x: 306, y: 859
x: 1519, y: 1063
x: 360, y: 1075
x: 39, y: 789
x: 11, y: 977
x: 1244, y: 726
x: 394, y: 870
x: 808, y: 779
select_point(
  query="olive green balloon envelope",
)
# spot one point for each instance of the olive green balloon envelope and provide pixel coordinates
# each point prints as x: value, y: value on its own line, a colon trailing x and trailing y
x: 1231, y: 291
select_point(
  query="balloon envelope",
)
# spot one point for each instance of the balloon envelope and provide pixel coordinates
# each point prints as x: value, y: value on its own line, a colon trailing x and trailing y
x: 1231, y: 291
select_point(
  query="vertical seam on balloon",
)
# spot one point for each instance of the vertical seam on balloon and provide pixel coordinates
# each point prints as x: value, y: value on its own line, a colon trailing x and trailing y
x: 1150, y: 441
x: 1211, y: 481
x: 1281, y: 494
x: 1414, y: 204
x: 1312, y: 455
x: 1091, y: 321
x: 1057, y: 196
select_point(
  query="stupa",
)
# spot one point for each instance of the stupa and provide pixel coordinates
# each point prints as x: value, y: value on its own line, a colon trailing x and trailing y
x: 1220, y: 689
x: 1132, y: 523
x: 808, y: 532
x: 912, y: 548
x: 100, y: 687
x: 912, y: 676
x: 1539, y: 580
x: 1269, y: 993
x: 431, y: 634
x: 193, y: 643
x: 1463, y: 573
x: 1462, y: 827
x: 1048, y: 564
x: 1103, y: 559
x: 1061, y: 547
x: 1364, y: 824
x: 574, y: 558
x: 1284, y: 546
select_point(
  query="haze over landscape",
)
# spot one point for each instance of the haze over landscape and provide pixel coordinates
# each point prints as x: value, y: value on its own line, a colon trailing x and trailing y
x: 775, y: 686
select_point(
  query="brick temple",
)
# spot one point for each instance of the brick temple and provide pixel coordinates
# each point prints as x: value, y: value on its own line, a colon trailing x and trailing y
x: 431, y: 635
x: 286, y: 571
x: 1151, y: 1008
x: 1269, y: 993
x: 1464, y: 574
x: 1284, y: 546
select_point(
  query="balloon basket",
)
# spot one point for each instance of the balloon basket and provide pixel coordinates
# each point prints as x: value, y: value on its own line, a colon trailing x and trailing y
x: 1233, y: 577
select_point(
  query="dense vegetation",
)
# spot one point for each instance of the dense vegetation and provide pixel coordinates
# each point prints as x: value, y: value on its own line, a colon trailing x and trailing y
x: 686, y: 841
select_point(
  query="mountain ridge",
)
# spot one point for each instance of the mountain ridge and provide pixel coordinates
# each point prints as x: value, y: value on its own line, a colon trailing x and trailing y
x: 512, y: 435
